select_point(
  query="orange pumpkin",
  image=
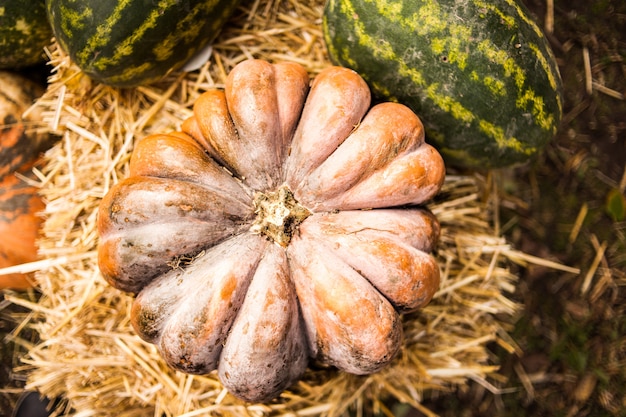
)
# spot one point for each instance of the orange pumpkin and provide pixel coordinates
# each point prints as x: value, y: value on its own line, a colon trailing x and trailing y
x: 20, y: 142
x: 20, y: 146
x: 282, y: 224
x: 20, y: 204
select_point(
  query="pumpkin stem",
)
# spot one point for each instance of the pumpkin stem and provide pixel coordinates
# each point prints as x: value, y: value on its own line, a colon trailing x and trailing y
x: 278, y: 215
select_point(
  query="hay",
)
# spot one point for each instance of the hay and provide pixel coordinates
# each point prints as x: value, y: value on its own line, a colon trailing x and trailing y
x: 88, y: 352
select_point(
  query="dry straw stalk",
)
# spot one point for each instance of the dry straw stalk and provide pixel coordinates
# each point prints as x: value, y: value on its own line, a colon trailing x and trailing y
x: 89, y: 353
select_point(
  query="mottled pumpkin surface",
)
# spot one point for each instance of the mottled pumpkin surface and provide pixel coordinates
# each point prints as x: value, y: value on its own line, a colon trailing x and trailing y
x: 285, y: 222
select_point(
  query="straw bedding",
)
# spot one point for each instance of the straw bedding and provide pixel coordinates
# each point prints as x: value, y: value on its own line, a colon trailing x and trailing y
x: 88, y: 352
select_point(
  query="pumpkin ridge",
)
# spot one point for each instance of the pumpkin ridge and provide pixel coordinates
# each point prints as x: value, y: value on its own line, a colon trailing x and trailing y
x: 265, y: 353
x: 386, y: 132
x: 406, y: 276
x: 193, y: 337
x: 337, y: 101
x: 183, y: 158
x: 406, y: 292
x: 410, y: 179
x: 124, y: 203
x: 342, y: 337
x: 252, y: 102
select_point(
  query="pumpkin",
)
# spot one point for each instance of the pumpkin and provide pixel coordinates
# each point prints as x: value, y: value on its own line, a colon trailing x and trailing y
x: 20, y: 146
x: 282, y: 224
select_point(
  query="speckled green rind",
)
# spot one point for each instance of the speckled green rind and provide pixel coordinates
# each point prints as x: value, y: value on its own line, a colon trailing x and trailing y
x: 480, y: 74
x: 24, y: 32
x: 127, y: 43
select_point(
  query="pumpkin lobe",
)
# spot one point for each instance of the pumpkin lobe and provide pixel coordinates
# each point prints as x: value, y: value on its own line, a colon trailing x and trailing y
x: 278, y: 215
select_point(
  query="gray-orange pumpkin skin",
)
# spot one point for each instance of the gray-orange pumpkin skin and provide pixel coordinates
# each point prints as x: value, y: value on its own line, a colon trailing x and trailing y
x: 283, y: 223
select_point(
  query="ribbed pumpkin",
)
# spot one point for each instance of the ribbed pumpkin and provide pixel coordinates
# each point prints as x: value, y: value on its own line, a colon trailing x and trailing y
x: 282, y: 224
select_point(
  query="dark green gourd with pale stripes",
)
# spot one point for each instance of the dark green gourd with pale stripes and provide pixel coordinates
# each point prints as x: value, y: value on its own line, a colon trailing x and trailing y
x: 131, y: 42
x: 24, y: 32
x: 480, y: 74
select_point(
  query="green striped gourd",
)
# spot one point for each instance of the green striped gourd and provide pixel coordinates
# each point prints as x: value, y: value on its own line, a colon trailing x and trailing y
x: 24, y: 32
x: 479, y: 73
x: 127, y: 43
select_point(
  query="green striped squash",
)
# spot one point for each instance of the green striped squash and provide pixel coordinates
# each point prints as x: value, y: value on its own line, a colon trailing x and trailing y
x: 479, y: 73
x: 126, y: 43
x: 24, y: 32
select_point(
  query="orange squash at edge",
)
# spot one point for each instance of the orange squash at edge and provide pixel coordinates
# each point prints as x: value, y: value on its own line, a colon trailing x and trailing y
x: 20, y: 223
x: 20, y: 203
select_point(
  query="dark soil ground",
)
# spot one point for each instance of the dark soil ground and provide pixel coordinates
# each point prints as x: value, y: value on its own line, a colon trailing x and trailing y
x: 568, y: 206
